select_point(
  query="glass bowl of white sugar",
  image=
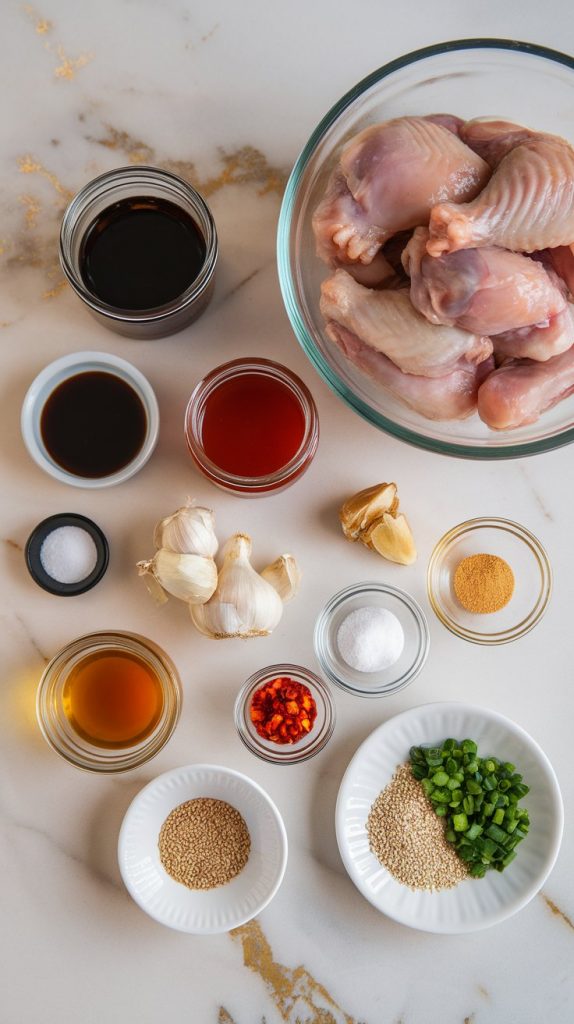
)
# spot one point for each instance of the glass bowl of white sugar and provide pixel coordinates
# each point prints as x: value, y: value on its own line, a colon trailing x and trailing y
x: 371, y: 639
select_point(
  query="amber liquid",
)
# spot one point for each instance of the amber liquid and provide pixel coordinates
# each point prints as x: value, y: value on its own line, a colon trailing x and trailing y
x: 253, y: 425
x: 113, y: 699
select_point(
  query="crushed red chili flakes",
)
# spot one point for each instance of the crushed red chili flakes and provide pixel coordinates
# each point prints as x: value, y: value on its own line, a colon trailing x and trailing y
x: 283, y: 710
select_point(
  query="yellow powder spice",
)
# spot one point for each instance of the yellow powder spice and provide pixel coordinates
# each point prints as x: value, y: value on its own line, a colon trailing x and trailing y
x: 483, y: 583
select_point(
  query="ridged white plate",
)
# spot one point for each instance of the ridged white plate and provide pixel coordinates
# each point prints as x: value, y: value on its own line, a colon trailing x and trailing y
x: 474, y: 903
x: 173, y: 904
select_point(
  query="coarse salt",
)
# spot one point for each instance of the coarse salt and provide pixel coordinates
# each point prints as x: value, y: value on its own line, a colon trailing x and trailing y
x: 68, y: 554
x: 370, y: 639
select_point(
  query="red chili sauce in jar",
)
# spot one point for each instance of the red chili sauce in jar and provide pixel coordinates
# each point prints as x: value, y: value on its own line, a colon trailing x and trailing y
x: 252, y: 426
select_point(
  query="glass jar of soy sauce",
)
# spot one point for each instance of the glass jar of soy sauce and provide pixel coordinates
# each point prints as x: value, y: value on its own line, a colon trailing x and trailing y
x: 139, y: 247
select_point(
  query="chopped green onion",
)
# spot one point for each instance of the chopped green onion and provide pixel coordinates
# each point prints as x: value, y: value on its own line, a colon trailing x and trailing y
x: 478, y: 799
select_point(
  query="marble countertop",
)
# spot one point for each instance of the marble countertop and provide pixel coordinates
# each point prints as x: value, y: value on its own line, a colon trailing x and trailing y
x: 226, y: 94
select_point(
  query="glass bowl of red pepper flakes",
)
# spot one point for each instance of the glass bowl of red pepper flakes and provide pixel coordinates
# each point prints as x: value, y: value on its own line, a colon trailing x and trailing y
x: 284, y: 714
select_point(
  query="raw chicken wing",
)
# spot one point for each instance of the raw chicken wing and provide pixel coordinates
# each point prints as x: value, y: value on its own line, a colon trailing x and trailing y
x: 528, y: 203
x: 492, y: 140
x: 387, y: 322
x: 484, y: 291
x: 562, y: 261
x: 540, y: 341
x: 388, y: 178
x: 520, y: 390
x: 452, y: 397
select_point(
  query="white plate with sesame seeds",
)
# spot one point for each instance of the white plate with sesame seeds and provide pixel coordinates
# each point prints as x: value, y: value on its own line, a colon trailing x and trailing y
x: 474, y: 903
x: 170, y: 902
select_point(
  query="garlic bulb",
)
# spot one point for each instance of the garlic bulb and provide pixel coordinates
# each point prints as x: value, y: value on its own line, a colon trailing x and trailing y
x: 191, y: 578
x: 189, y: 531
x: 284, y: 575
x: 244, y: 604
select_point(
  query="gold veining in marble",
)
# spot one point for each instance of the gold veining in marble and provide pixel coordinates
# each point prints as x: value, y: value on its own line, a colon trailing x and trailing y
x: 135, y: 150
x: 13, y: 544
x: 29, y: 165
x: 68, y: 66
x: 296, y: 994
x: 555, y: 909
x: 32, y: 207
x: 31, y: 246
x: 224, y: 1017
x: 42, y: 25
x: 51, y: 293
x: 244, y: 166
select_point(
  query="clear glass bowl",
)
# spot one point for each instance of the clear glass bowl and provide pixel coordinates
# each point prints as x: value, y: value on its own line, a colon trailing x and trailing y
x: 469, y: 77
x: 59, y: 732
x: 389, y: 680
x: 288, y: 753
x: 532, y: 578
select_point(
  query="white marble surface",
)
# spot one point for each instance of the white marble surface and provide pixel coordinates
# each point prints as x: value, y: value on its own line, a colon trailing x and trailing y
x: 234, y: 90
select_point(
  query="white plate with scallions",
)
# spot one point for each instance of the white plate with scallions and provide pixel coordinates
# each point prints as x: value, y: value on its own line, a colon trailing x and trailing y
x: 473, y: 903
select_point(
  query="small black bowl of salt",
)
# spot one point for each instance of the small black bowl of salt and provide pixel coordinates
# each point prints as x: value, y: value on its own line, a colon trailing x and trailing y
x: 67, y: 554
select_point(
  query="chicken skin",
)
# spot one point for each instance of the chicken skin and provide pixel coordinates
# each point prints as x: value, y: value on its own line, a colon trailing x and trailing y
x: 484, y: 291
x: 388, y: 178
x: 450, y: 397
x: 520, y: 390
x: 540, y: 341
x: 528, y: 204
x: 387, y: 322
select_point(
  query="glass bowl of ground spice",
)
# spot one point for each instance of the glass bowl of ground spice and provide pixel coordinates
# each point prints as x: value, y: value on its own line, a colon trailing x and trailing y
x: 284, y: 714
x: 489, y: 580
x: 202, y: 849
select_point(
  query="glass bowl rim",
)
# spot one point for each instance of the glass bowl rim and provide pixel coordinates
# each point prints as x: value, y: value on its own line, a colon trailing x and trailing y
x: 121, y: 760
x: 323, y: 621
x: 288, y: 291
x: 546, y: 580
x: 290, y: 753
x: 267, y: 368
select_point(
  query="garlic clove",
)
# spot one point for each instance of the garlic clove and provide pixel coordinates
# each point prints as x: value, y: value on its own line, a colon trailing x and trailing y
x: 154, y: 587
x: 190, y: 578
x: 362, y: 509
x: 391, y: 537
x: 244, y: 604
x: 284, y: 575
x: 190, y: 531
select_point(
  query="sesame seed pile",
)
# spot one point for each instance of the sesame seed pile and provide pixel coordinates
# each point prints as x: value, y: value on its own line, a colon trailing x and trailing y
x: 408, y: 838
x: 204, y: 843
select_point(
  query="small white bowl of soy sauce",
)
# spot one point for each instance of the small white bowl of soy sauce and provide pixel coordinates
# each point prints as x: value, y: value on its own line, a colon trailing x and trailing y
x: 90, y: 419
x: 139, y: 247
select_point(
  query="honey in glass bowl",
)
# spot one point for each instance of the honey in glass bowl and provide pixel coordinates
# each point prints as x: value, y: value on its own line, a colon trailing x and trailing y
x: 113, y: 699
x: 108, y: 702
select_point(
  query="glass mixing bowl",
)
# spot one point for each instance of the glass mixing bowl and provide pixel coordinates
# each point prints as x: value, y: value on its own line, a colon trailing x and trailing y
x: 468, y: 77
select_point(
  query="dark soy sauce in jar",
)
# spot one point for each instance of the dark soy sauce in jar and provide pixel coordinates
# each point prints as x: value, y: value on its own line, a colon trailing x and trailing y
x: 93, y: 424
x: 141, y: 253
